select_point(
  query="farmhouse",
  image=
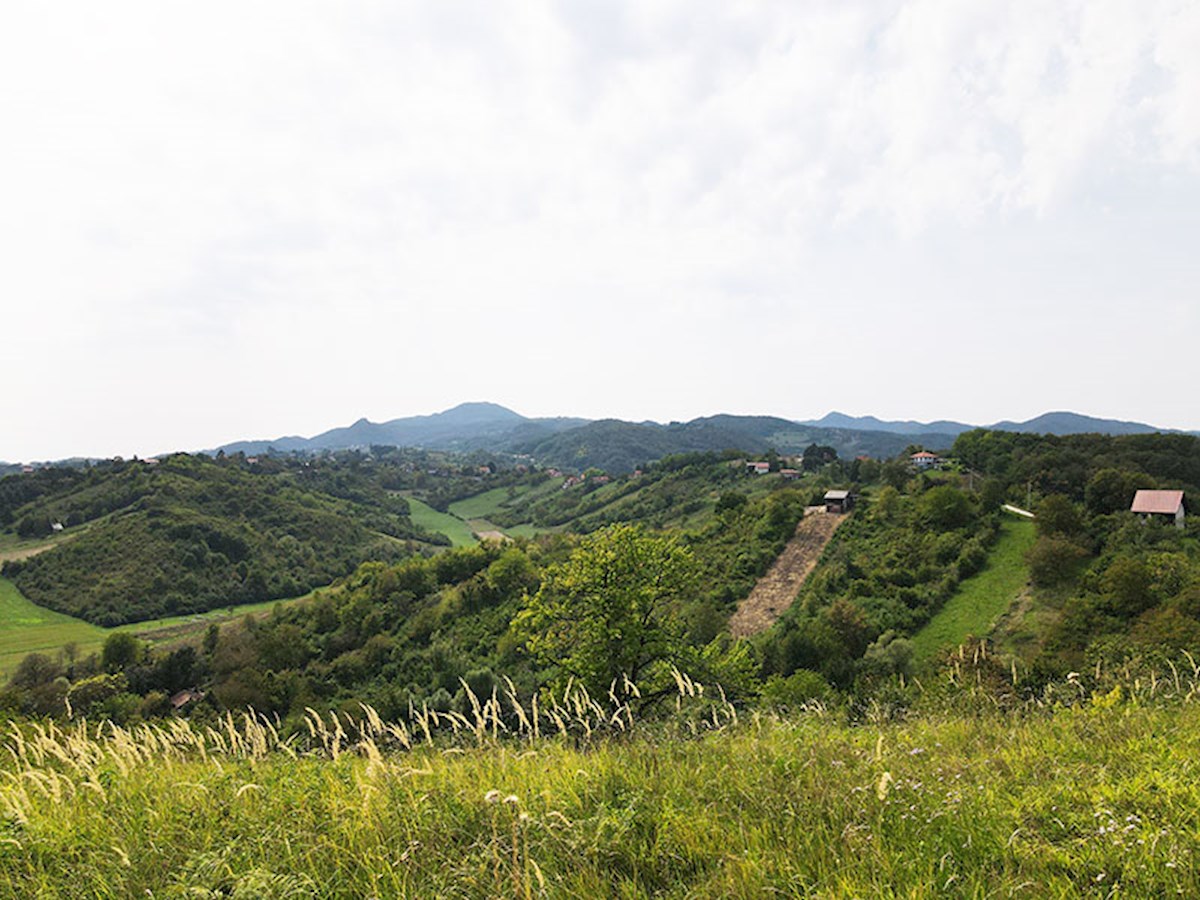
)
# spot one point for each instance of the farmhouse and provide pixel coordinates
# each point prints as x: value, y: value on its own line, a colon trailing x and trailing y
x: 759, y: 468
x: 838, y: 501
x: 926, y: 460
x: 1159, y: 505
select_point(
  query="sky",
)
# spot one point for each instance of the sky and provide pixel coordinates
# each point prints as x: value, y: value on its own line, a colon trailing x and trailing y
x: 234, y: 220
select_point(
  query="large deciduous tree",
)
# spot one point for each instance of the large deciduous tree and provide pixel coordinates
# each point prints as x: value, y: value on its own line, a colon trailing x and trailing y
x: 607, y: 614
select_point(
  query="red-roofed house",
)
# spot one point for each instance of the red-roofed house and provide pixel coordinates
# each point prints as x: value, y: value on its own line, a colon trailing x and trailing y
x: 925, y: 460
x: 1168, y: 504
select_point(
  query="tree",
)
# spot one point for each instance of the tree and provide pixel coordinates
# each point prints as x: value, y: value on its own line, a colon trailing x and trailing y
x: 1056, y: 515
x: 121, y: 650
x: 1052, y: 561
x: 945, y: 507
x: 1112, y: 490
x: 606, y: 614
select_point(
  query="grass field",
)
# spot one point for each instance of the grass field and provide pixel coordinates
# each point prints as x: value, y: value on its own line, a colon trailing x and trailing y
x: 430, y: 519
x: 1099, y: 800
x: 27, y: 628
x: 983, y: 598
x: 487, y: 504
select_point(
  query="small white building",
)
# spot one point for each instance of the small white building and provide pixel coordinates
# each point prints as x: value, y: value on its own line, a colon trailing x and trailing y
x: 1159, y: 504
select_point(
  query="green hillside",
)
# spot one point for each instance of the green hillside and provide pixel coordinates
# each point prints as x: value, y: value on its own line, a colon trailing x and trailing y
x: 191, y: 534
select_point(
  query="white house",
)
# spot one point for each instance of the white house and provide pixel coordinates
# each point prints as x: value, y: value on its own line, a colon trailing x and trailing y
x: 926, y: 460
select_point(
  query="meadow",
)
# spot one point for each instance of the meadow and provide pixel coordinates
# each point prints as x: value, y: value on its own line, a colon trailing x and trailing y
x: 425, y: 516
x: 28, y: 628
x: 1090, y: 793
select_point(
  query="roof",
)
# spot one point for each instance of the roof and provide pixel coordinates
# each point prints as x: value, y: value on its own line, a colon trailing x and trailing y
x: 836, y: 495
x: 1165, y: 502
x: 924, y: 454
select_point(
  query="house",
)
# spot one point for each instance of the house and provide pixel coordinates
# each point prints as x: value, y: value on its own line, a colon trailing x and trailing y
x: 926, y: 460
x: 150, y: 462
x: 759, y: 468
x: 789, y: 474
x: 838, y: 501
x: 1159, y: 505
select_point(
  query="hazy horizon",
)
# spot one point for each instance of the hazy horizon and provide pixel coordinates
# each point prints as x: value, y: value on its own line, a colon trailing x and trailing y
x: 212, y: 445
x: 228, y: 222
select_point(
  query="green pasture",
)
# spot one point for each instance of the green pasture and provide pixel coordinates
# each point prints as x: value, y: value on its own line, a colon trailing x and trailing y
x: 487, y: 504
x: 28, y: 628
x: 983, y: 598
x: 430, y: 519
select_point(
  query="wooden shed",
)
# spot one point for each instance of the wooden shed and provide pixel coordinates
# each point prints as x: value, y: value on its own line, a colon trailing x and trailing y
x: 838, y: 501
x: 1160, y: 505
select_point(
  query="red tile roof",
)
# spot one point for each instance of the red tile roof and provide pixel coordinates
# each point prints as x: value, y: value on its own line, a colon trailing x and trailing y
x: 1164, y: 502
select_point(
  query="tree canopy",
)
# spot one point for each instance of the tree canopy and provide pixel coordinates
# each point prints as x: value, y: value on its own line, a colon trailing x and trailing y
x: 603, y: 617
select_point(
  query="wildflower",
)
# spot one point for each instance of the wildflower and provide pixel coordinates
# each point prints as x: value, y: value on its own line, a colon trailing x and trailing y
x: 492, y: 796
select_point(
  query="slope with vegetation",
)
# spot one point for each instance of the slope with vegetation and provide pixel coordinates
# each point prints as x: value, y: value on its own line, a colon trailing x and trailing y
x: 191, y: 534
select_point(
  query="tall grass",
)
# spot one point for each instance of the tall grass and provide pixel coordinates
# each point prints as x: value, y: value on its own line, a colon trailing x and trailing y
x: 1088, y: 789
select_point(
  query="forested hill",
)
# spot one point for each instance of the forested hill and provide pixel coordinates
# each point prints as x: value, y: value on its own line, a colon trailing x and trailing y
x: 617, y: 446
x: 138, y: 540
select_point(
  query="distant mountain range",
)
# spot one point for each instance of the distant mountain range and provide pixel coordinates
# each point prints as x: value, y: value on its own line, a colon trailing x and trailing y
x: 1047, y: 423
x: 616, y: 446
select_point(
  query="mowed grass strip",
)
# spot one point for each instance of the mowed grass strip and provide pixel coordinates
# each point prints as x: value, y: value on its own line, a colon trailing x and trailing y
x: 425, y: 516
x: 985, y: 596
x: 27, y: 628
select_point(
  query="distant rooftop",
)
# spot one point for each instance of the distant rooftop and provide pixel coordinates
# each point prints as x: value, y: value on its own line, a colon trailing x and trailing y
x: 1162, y: 502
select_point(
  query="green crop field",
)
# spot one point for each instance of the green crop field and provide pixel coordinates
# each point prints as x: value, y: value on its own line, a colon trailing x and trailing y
x: 425, y: 516
x: 984, y: 597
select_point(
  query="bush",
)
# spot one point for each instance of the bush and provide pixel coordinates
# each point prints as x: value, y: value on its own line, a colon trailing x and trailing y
x: 1052, y: 561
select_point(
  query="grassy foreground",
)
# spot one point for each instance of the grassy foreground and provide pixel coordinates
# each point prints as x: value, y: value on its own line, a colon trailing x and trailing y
x: 1098, y: 800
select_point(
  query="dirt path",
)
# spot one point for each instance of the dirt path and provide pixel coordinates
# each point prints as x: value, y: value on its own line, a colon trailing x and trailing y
x: 15, y: 553
x: 777, y: 589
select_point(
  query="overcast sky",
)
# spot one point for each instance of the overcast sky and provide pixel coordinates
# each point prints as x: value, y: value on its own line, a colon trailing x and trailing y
x: 228, y: 220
